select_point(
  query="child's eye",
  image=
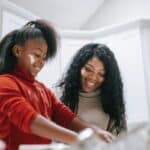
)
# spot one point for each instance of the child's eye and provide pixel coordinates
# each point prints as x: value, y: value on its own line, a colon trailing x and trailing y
x: 101, y: 74
x: 44, y: 58
x: 37, y: 55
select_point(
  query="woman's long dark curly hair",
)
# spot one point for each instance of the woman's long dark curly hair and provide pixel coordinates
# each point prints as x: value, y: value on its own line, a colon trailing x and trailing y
x: 32, y: 30
x: 111, y: 89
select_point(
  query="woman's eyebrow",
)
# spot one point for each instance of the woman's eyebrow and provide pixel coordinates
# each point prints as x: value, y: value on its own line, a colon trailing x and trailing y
x: 89, y: 65
x: 101, y: 69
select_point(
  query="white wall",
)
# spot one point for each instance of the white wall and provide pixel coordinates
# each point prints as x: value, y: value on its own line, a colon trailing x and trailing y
x: 118, y: 11
x: 64, y: 14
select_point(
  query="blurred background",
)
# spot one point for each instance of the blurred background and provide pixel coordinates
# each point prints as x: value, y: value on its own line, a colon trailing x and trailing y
x: 124, y: 25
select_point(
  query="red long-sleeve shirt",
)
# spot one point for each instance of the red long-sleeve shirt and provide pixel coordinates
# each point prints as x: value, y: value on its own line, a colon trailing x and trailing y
x: 22, y: 98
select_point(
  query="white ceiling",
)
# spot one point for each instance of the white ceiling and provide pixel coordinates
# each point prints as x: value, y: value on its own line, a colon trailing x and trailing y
x: 65, y: 14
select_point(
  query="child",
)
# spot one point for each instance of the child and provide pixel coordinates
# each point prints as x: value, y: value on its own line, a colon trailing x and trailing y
x: 29, y: 112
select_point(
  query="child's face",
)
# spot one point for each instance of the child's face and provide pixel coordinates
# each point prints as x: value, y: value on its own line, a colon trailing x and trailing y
x: 92, y: 75
x: 31, y: 56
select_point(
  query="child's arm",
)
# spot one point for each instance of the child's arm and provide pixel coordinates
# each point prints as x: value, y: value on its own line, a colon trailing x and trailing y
x: 78, y: 124
x: 48, y: 129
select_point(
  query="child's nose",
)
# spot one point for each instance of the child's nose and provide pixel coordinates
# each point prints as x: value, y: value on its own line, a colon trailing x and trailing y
x: 41, y: 62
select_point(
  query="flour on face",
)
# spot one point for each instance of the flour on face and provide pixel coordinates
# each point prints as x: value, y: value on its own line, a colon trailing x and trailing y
x: 32, y: 59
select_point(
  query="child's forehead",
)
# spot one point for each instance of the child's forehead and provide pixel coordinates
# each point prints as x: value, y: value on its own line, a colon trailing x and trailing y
x: 40, y: 39
x: 38, y: 45
x: 35, y: 42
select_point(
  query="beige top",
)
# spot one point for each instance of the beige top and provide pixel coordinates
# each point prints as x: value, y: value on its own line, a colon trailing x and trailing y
x: 90, y: 109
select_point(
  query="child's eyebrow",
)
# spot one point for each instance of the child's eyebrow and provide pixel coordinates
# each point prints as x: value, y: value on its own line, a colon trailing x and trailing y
x: 38, y: 50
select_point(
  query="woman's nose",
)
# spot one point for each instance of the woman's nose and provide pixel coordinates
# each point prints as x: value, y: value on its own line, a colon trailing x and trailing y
x: 94, y: 77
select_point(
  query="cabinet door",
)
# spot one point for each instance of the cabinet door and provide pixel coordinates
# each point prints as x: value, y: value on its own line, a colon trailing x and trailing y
x: 127, y: 49
x: 11, y: 21
x: 69, y: 46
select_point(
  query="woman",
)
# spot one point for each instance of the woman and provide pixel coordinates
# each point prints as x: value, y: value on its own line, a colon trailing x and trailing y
x: 92, y: 87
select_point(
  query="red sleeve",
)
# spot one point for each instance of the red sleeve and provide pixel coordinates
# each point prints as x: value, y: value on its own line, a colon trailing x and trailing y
x: 14, y: 106
x: 62, y: 115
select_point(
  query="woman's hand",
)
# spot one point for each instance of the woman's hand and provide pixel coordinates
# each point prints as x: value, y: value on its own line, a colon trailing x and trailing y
x: 103, y: 135
x: 78, y: 125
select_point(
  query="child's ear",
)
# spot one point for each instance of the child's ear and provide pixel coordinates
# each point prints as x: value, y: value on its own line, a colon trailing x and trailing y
x: 17, y: 50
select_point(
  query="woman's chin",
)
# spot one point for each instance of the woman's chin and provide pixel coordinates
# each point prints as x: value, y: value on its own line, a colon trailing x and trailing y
x: 88, y: 90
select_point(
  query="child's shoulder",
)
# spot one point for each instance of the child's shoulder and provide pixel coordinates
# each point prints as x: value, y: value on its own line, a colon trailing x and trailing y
x: 5, y: 77
x: 48, y: 89
x: 7, y: 80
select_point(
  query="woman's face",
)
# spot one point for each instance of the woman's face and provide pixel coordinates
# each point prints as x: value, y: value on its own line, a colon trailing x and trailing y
x: 92, y: 75
x: 31, y: 56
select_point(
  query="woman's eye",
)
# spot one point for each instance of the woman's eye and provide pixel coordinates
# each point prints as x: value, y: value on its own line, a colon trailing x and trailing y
x: 88, y: 69
x: 101, y: 74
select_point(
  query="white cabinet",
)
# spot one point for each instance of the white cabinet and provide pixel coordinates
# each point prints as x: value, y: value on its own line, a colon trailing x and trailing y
x: 50, y: 73
x: 69, y: 46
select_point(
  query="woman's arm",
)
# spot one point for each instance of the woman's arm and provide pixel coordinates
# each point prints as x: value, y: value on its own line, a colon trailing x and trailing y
x: 78, y: 124
x: 48, y: 129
